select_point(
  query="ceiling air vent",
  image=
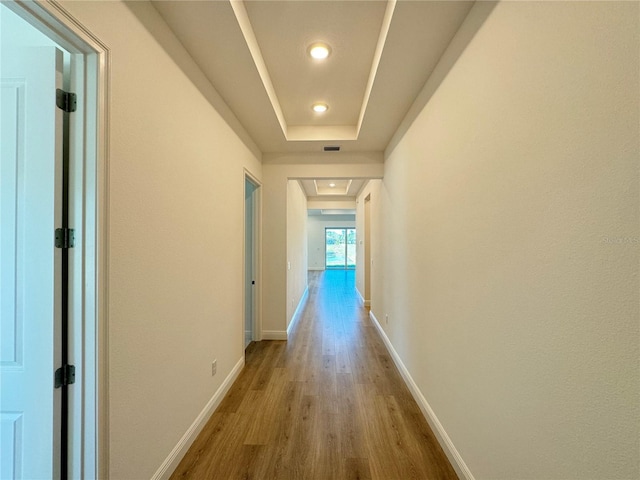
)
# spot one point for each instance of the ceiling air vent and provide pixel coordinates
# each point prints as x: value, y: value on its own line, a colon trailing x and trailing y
x: 334, y: 148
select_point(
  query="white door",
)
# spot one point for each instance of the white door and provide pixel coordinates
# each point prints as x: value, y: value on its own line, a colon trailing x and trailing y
x: 30, y: 183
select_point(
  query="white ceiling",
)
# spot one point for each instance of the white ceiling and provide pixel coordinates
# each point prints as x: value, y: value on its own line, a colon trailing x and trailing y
x: 255, y: 55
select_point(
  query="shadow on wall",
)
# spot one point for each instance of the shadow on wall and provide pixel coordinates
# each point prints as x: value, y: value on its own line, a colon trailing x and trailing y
x: 148, y: 16
x: 462, y: 38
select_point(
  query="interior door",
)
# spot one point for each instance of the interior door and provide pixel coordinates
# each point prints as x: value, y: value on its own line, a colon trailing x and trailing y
x: 250, y: 260
x: 30, y: 210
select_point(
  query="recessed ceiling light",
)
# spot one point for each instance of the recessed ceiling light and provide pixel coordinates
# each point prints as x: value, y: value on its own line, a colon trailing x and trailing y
x: 332, y: 185
x: 320, y: 107
x: 319, y: 51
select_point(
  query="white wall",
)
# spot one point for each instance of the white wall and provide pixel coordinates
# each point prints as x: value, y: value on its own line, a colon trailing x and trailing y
x: 510, y: 218
x: 276, y: 171
x: 296, y: 246
x: 176, y: 184
x: 316, y: 240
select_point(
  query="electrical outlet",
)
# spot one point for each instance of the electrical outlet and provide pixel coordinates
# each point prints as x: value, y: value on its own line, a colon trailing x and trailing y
x: 214, y: 367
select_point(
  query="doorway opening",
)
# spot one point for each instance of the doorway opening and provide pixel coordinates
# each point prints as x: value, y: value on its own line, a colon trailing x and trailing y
x: 52, y: 244
x: 367, y: 251
x: 340, y: 248
x: 251, y: 260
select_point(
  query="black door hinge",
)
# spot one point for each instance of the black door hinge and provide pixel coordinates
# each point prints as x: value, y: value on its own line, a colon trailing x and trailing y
x: 66, y: 101
x: 65, y: 375
x: 65, y: 238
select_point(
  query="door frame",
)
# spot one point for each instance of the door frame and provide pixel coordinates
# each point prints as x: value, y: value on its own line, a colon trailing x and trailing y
x: 256, y: 257
x: 89, y: 189
x: 367, y: 251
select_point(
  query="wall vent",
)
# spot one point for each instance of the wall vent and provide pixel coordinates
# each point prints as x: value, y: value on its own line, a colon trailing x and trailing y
x: 332, y: 148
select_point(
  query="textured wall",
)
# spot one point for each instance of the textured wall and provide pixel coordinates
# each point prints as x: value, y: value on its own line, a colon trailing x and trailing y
x: 510, y: 220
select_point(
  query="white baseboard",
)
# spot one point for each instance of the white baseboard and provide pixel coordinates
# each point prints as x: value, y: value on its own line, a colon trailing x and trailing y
x: 284, y: 334
x: 366, y: 303
x: 316, y: 269
x: 447, y: 445
x: 179, y: 451
x: 274, y: 334
x: 298, y: 313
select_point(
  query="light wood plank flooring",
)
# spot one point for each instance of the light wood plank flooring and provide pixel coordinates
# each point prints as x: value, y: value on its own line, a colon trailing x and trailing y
x: 327, y: 404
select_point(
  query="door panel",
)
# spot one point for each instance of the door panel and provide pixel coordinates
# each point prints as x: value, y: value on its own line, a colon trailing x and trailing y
x: 251, y: 261
x: 30, y: 179
x: 249, y: 275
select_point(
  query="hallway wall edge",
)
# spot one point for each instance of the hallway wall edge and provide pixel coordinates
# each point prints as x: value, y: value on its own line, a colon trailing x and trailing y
x: 299, y: 309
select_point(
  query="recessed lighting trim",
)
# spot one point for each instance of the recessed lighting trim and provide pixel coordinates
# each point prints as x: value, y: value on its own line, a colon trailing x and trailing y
x: 320, y: 107
x: 319, y: 50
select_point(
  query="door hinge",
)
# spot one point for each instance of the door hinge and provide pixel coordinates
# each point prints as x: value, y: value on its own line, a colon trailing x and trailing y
x: 65, y: 375
x: 65, y: 238
x: 66, y: 101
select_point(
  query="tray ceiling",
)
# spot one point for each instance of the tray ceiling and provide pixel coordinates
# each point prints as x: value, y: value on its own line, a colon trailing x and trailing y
x: 255, y: 53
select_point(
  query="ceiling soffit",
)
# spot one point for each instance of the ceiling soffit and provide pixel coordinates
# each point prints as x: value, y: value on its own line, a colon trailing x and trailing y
x: 254, y: 54
x: 278, y: 35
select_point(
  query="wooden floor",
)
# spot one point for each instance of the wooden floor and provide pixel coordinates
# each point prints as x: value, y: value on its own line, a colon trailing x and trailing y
x: 327, y: 404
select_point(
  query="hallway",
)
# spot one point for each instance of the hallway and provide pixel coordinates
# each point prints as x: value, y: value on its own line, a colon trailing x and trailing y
x: 327, y: 404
